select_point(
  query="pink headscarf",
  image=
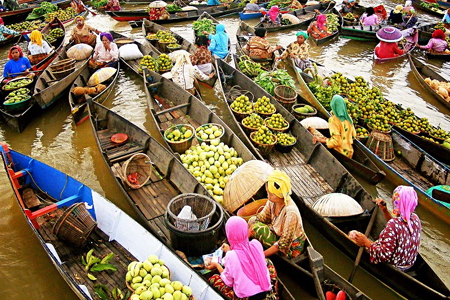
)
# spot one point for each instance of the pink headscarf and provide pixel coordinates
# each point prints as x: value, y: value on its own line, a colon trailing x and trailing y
x: 405, y: 201
x: 250, y: 256
x: 273, y: 12
x: 320, y: 20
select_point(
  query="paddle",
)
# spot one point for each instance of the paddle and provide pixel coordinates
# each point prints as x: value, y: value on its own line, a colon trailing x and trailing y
x: 361, y: 249
x: 23, y: 73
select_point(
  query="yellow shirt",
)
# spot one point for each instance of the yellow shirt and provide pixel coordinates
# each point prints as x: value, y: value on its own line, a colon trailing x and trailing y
x: 342, y: 135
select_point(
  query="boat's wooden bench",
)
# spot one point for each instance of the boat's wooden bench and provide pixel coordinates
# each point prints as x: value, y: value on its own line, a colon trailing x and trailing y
x: 117, y: 152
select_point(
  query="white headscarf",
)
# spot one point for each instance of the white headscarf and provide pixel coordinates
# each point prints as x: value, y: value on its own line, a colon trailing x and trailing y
x: 408, y: 3
x: 180, y: 57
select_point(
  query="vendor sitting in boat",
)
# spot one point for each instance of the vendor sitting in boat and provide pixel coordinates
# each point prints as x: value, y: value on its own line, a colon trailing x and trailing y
x: 251, y: 7
x: 295, y: 5
x: 258, y: 47
x: 279, y: 225
x: 247, y: 274
x: 18, y: 65
x: 388, y: 48
x: 202, y: 58
x: 369, y: 18
x: 318, y: 29
x: 341, y: 127
x: 410, y: 19
x: 5, y: 32
x: 158, y: 11
x: 38, y: 49
x: 112, y: 5
x: 106, y: 53
x: 218, y: 42
x: 398, y: 243
x: 396, y: 15
x: 83, y: 33
x: 437, y: 43
x: 273, y: 17
x: 348, y: 6
x: 298, y: 51
x: 446, y: 19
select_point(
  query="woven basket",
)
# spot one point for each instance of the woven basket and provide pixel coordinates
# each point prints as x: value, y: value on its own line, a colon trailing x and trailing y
x: 286, y: 96
x: 265, y: 149
x: 359, y: 138
x: 265, y: 115
x: 62, y: 74
x: 284, y: 129
x: 240, y: 116
x: 202, y: 207
x: 64, y: 64
x: 141, y: 164
x: 75, y: 225
x: 381, y: 144
x: 302, y: 116
x: 180, y: 146
x: 247, y: 129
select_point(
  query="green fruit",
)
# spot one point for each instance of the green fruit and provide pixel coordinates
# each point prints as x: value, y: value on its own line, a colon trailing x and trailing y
x: 187, y: 291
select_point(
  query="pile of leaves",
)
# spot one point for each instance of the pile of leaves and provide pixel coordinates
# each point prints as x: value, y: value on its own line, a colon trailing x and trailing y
x: 270, y: 80
x: 280, y: 3
x: 204, y: 25
x: 173, y: 8
x: 45, y: 8
x: 97, y: 4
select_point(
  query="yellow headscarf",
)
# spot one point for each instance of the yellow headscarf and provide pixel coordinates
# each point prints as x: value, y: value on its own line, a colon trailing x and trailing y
x: 79, y: 17
x: 36, y: 38
x: 284, y: 190
x: 252, y: 1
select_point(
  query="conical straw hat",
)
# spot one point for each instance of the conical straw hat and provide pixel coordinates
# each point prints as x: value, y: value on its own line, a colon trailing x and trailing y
x: 244, y: 183
x: 337, y: 205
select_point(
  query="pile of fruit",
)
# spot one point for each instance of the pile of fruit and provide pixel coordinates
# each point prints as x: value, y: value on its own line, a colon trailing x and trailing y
x: 56, y: 33
x: 242, y: 105
x: 164, y: 62
x: 14, y: 84
x: 149, y: 62
x: 204, y: 25
x: 263, y: 106
x: 285, y: 139
x: 49, y: 38
x: 285, y: 21
x: 433, y: 6
x: 150, y: 280
x: 165, y: 37
x: 212, y: 165
x: 178, y: 133
x: 249, y: 67
x: 98, y: 4
x: 442, y: 88
x: 173, y: 45
x: 209, y: 132
x: 276, y: 121
x: 280, y: 3
x: 152, y: 36
x: 26, y: 26
x: 349, y: 17
x: 17, y: 96
x: 264, y: 136
x: 270, y: 80
x: 45, y: 8
x: 379, y: 122
x: 362, y: 132
x: 304, y: 110
x: 254, y: 121
x: 333, y: 23
x: 439, y: 134
x: 61, y: 14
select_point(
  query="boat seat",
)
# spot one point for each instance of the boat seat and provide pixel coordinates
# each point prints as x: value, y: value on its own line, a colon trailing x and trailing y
x: 172, y: 109
x: 299, y: 259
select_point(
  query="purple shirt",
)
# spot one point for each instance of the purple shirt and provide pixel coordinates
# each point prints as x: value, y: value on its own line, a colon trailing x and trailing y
x: 369, y: 21
x: 435, y: 44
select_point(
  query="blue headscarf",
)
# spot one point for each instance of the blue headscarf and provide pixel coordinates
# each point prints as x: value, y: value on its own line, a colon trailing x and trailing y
x: 446, y: 18
x: 219, y: 42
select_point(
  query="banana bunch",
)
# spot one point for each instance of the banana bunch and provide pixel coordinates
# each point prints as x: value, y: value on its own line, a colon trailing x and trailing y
x: 440, y: 26
x: 95, y: 264
x: 333, y: 23
x: 249, y: 67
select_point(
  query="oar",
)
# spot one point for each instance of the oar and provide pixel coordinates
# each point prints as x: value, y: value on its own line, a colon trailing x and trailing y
x: 23, y: 73
x: 361, y: 249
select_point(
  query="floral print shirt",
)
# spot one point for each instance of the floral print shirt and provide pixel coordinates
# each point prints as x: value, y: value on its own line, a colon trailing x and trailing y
x: 259, y: 46
x: 5, y: 30
x: 342, y: 135
x: 299, y: 51
x: 201, y: 56
x: 396, y: 244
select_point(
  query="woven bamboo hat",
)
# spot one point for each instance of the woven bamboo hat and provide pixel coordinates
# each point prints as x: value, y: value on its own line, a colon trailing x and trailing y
x: 244, y: 183
x: 337, y: 205
x: 389, y: 34
x: 157, y: 4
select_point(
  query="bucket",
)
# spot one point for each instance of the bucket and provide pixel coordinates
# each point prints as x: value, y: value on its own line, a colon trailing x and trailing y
x: 199, y: 242
x: 286, y: 96
x: 381, y: 144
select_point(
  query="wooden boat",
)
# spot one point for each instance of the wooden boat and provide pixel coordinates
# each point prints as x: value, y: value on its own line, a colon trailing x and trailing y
x: 18, y: 120
x: 409, y: 47
x: 315, y: 172
x: 149, y: 27
x: 48, y: 88
x: 332, y: 36
x: 252, y: 15
x: 356, y: 31
x: 205, y: 15
x: 115, y: 232
x: 135, y: 15
x: 305, y: 15
x: 416, y: 4
x: 408, y: 169
x: 443, y: 4
x: 422, y: 71
x: 426, y: 32
x: 19, y: 15
x: 79, y: 110
x: 10, y: 40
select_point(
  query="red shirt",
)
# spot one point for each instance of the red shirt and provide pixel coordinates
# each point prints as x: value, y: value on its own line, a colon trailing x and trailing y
x: 387, y: 50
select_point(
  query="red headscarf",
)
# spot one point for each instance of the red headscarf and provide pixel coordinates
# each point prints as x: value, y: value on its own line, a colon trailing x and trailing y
x: 439, y: 34
x: 15, y: 47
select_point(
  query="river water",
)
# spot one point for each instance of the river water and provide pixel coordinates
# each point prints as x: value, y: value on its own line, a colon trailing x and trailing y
x: 53, y: 138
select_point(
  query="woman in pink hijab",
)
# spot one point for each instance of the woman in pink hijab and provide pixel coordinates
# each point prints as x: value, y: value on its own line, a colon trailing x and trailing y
x: 319, y: 28
x: 398, y: 243
x: 273, y: 17
x: 247, y: 273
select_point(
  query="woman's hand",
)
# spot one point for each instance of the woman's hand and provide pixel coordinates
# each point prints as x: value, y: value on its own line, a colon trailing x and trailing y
x: 381, y: 204
x: 212, y: 266
x: 361, y: 240
x: 205, y: 32
x: 211, y: 75
x: 278, y: 47
x: 318, y: 139
x: 225, y: 248
x: 26, y: 71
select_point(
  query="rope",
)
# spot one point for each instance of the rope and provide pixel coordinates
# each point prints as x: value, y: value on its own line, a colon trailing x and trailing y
x: 65, y: 184
x: 32, y: 179
x: 235, y: 92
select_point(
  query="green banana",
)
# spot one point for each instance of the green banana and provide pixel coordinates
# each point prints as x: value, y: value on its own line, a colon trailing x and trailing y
x: 107, y: 258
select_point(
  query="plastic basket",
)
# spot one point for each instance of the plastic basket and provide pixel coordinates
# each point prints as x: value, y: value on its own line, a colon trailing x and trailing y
x: 301, y: 116
x: 137, y: 168
x: 381, y: 144
x: 265, y: 149
x: 285, y: 148
x: 359, y: 138
x: 285, y: 95
x: 180, y: 146
x: 75, y: 225
x: 17, y: 105
x: 30, y: 81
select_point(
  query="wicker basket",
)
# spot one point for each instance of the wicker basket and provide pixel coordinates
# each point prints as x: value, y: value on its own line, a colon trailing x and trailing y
x: 284, y: 129
x: 359, y: 138
x: 265, y: 115
x: 180, y: 146
x: 63, y: 65
x: 381, y: 144
x: 62, y: 74
x: 247, y: 129
x: 240, y: 116
x: 285, y: 95
x: 301, y: 116
x: 208, y: 141
x: 138, y: 166
x: 75, y: 225
x: 202, y: 207
x: 265, y: 149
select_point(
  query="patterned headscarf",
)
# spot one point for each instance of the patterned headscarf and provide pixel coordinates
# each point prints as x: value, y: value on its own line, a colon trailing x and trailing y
x: 36, y: 37
x: 13, y: 48
x: 398, y: 9
x: 79, y: 17
x: 405, y: 201
x: 339, y: 108
x: 284, y: 183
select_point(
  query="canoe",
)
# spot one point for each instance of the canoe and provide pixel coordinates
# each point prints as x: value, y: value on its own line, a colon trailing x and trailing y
x: 357, y: 31
x: 422, y: 71
x: 426, y: 32
x: 305, y: 15
x: 11, y: 40
x: 332, y: 36
x: 49, y: 89
x: 136, y: 15
x: 18, y: 120
x: 443, y: 4
x: 409, y: 47
x: 19, y: 15
x: 415, y: 167
x: 115, y: 232
x: 79, y: 110
x: 315, y: 172
x: 416, y: 4
x: 252, y: 15
x: 149, y: 27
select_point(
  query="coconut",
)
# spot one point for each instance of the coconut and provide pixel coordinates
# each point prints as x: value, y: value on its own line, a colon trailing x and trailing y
x: 428, y: 81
